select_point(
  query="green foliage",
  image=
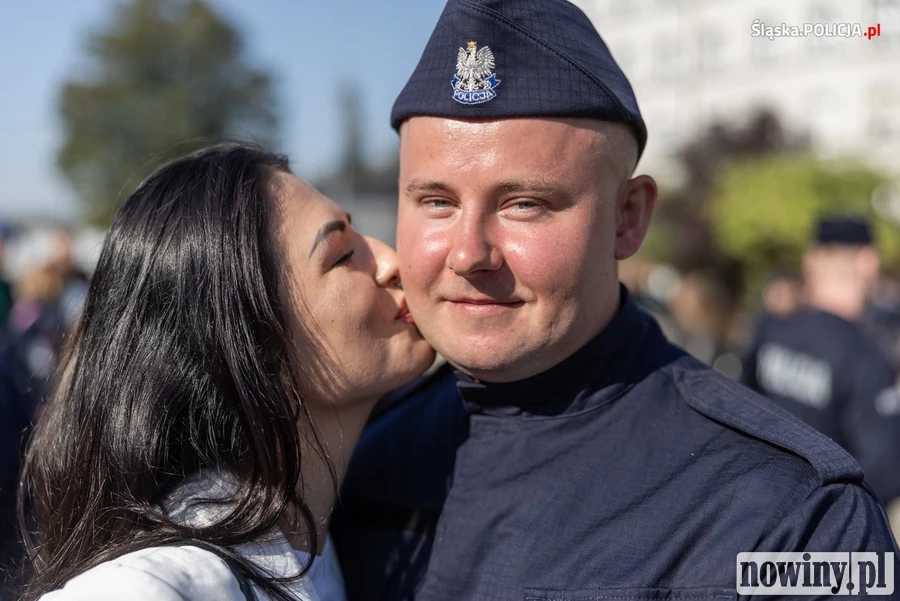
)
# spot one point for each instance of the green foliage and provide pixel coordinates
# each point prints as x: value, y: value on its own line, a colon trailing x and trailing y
x: 765, y: 209
x: 166, y: 76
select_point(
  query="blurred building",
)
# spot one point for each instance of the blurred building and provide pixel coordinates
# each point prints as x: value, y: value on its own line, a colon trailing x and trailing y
x: 693, y: 62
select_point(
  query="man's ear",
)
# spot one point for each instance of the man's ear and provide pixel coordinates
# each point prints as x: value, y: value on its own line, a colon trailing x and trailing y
x: 868, y: 263
x: 634, y: 208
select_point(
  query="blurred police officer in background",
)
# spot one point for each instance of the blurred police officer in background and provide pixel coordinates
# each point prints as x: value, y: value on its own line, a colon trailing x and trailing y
x: 568, y: 450
x: 819, y: 363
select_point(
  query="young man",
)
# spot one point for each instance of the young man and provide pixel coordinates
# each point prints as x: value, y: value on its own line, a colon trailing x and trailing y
x: 568, y: 451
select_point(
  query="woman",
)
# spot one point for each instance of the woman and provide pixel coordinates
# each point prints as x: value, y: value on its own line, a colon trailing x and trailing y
x: 236, y: 335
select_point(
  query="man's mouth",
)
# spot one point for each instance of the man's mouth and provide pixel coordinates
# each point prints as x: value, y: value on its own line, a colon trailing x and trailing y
x: 484, y: 300
x: 484, y: 305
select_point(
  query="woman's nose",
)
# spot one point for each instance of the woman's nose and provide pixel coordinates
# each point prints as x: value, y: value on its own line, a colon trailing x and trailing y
x: 387, y: 267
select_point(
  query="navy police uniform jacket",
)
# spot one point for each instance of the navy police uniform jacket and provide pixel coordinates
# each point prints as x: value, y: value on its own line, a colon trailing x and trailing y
x: 829, y: 373
x: 628, y: 471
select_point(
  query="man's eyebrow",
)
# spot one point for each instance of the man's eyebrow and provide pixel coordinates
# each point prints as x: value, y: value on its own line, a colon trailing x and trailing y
x: 338, y: 225
x: 421, y: 185
x: 527, y: 185
x: 524, y: 185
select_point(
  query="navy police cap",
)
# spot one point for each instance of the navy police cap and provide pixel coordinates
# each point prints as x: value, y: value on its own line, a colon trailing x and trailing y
x: 850, y: 231
x: 518, y: 58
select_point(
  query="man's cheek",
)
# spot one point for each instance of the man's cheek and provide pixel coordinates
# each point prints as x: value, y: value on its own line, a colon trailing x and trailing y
x: 423, y: 258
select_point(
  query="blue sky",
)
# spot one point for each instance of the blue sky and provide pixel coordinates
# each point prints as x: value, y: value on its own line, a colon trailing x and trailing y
x: 311, y: 46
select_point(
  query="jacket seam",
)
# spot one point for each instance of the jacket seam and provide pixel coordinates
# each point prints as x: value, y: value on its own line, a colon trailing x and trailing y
x: 803, y: 493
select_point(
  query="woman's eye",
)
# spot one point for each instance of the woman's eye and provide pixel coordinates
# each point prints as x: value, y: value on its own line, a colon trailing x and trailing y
x: 343, y: 259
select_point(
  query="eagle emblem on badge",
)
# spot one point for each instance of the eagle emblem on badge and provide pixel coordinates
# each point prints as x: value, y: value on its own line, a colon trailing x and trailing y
x: 475, y: 78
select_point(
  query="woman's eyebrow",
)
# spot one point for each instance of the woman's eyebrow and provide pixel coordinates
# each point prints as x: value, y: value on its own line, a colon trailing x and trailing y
x: 338, y: 225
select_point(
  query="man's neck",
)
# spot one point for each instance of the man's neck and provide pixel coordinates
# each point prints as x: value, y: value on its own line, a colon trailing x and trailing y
x: 844, y: 301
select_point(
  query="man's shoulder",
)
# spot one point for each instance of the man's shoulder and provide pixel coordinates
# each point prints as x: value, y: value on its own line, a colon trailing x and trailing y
x: 755, y: 422
x: 751, y: 425
x: 407, y: 448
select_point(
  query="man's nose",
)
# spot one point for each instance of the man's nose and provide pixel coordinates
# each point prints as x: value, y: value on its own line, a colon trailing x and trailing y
x: 387, y: 268
x: 473, y: 249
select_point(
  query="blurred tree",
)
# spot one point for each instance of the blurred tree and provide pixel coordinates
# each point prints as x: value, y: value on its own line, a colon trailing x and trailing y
x: 750, y: 196
x: 355, y: 175
x: 765, y: 209
x: 684, y: 232
x: 165, y: 77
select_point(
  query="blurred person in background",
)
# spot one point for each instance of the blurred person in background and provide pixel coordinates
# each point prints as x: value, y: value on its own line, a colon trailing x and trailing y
x: 704, y: 308
x: 236, y: 335
x: 882, y: 319
x: 639, y: 278
x: 36, y: 321
x: 75, y: 279
x: 782, y: 295
x: 17, y: 408
x: 37, y: 329
x: 28, y: 355
x: 6, y: 299
x: 819, y: 363
x: 36, y: 325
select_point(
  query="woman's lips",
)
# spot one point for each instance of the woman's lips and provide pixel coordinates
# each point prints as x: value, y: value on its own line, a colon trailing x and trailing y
x: 403, y: 313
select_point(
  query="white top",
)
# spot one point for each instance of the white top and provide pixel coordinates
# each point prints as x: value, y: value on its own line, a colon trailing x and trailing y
x: 325, y: 573
x: 188, y: 573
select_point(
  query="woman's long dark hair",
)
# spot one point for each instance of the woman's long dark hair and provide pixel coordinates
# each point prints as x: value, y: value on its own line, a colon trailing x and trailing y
x: 184, y: 359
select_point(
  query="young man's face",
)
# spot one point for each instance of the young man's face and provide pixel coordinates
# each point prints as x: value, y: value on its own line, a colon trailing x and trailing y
x: 508, y: 236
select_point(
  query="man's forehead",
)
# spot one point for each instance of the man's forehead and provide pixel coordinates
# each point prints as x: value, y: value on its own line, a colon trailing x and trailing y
x: 588, y: 123
x: 613, y: 141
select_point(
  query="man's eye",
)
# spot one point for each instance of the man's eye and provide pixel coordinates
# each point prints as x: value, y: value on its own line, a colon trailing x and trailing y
x: 525, y: 206
x: 437, y: 203
x: 343, y: 259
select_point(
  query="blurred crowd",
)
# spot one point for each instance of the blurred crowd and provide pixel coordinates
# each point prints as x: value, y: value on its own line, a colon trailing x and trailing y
x: 698, y: 312
x: 37, y: 307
